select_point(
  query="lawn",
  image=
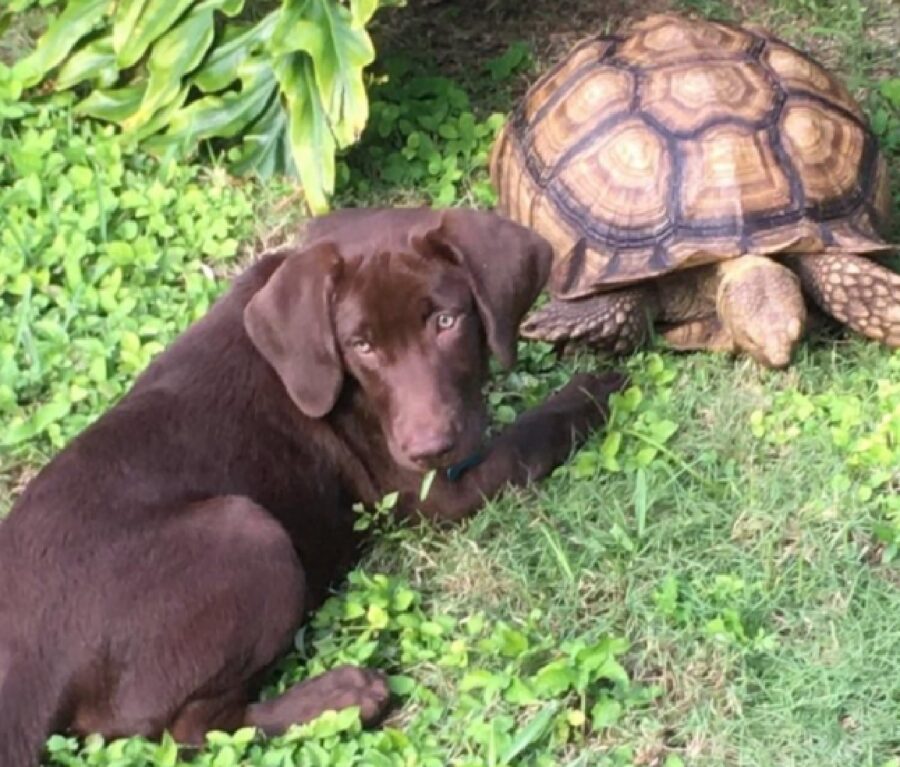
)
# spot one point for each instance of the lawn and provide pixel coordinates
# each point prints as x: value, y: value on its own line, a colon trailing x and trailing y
x: 714, y: 580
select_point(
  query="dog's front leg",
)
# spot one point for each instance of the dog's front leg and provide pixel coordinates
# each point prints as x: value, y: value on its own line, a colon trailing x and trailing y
x: 529, y: 449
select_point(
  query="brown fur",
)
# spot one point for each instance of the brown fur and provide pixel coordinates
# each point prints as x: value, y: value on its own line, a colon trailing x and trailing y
x: 163, y: 560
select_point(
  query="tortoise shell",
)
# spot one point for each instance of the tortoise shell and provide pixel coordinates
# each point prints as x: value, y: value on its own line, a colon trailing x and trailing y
x: 685, y: 142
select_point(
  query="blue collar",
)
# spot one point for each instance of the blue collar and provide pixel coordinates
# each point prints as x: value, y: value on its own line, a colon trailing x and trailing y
x: 455, y: 472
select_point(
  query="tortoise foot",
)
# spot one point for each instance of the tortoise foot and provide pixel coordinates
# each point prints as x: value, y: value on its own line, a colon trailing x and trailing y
x: 616, y: 322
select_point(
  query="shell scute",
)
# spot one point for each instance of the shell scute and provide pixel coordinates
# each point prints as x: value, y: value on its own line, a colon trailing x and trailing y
x: 798, y: 72
x: 731, y: 172
x: 684, y: 98
x: 572, y: 120
x: 825, y: 148
x: 667, y: 39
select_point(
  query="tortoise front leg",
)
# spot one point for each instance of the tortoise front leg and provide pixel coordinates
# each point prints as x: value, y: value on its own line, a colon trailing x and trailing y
x: 619, y: 321
x: 857, y: 291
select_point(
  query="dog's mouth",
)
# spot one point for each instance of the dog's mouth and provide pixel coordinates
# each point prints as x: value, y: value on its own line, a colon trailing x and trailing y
x: 444, y: 453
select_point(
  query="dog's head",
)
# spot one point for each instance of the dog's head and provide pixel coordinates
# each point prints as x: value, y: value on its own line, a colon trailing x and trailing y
x: 407, y: 316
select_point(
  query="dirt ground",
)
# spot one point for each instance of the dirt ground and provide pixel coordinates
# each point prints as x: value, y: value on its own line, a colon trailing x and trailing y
x: 462, y: 34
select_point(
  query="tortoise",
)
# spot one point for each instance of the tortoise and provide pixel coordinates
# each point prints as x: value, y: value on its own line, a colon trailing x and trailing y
x: 703, y: 178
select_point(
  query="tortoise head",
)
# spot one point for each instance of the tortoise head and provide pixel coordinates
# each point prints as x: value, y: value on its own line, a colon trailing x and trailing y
x: 761, y: 304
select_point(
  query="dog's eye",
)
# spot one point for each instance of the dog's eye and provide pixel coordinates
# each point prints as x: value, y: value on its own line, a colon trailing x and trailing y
x: 445, y: 320
x: 361, y: 346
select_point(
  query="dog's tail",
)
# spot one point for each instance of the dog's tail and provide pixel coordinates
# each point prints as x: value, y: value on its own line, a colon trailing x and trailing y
x: 29, y: 702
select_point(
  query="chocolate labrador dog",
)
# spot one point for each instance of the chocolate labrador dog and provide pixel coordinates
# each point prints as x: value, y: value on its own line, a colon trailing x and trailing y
x: 160, y: 563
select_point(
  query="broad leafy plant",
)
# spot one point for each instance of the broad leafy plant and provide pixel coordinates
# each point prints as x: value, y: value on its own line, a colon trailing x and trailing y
x: 287, y: 88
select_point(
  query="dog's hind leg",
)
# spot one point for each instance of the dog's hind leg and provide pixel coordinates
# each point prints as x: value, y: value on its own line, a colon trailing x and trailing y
x: 223, y: 594
x: 29, y: 704
x: 333, y: 690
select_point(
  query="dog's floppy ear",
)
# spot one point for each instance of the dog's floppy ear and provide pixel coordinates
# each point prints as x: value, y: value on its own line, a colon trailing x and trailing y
x: 289, y: 322
x: 507, y: 266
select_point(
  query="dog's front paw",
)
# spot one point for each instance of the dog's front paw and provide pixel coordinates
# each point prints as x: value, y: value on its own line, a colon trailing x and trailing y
x: 593, y: 387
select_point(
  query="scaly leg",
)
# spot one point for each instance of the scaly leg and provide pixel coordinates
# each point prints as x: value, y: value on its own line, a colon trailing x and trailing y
x: 619, y: 321
x: 859, y: 292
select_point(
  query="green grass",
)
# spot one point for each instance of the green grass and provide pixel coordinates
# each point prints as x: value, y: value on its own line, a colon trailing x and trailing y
x: 749, y: 592
x: 711, y: 581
